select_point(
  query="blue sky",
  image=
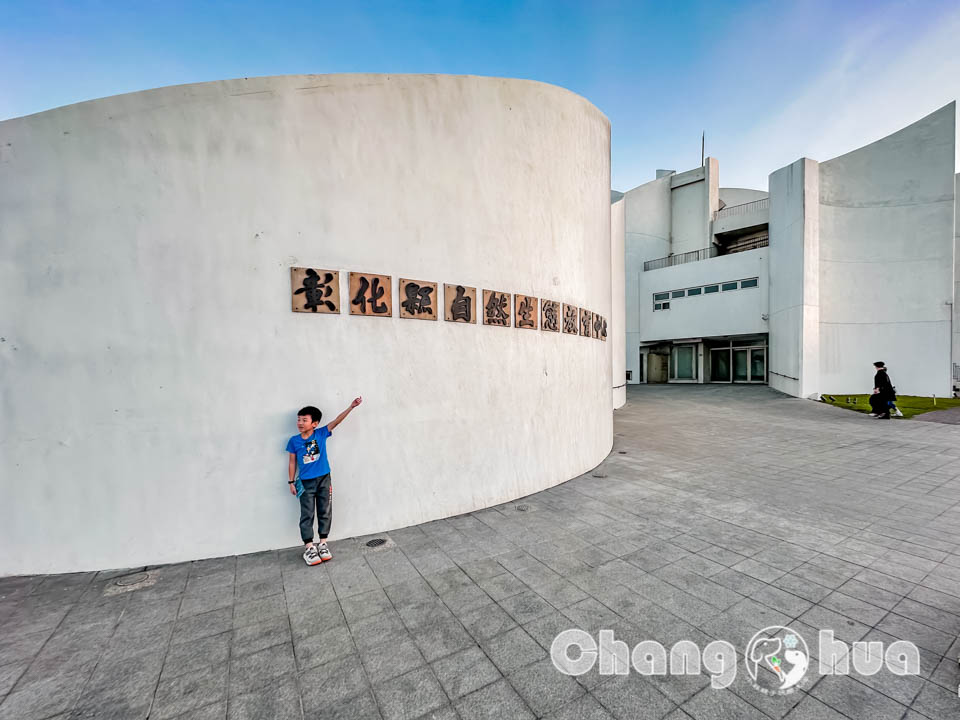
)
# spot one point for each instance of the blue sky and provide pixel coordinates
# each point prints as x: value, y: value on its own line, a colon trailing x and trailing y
x: 768, y: 81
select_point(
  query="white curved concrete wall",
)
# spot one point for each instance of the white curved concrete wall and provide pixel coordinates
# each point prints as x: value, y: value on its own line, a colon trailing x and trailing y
x: 617, y: 334
x: 152, y: 366
x: 886, y: 260
x: 739, y: 196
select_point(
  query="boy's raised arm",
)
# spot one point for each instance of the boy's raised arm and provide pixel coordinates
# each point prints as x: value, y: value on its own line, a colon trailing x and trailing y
x: 339, y: 419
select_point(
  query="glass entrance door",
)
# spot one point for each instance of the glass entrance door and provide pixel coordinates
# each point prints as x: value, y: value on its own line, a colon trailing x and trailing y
x: 738, y: 364
x: 720, y: 365
x: 758, y: 365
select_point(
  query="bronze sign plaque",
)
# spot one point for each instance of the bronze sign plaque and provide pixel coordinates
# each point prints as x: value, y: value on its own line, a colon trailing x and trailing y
x: 371, y: 294
x: 525, y: 311
x: 585, y: 323
x: 550, y: 315
x: 315, y: 290
x: 496, y: 308
x: 570, y: 319
x: 460, y: 303
x: 419, y: 300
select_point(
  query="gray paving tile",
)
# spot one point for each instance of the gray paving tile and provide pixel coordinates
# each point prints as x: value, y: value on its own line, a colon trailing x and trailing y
x: 494, y: 702
x: 252, y: 671
x: 196, y: 655
x: 323, y: 646
x: 526, y: 607
x: 410, y: 696
x: 441, y: 638
x: 253, y: 638
x: 277, y: 700
x: 487, y: 621
x: 543, y: 688
x: 331, y: 684
x: 192, y: 691
x: 629, y: 697
x: 512, y: 650
x: 855, y: 700
x: 383, y: 664
x: 464, y: 672
x: 917, y: 633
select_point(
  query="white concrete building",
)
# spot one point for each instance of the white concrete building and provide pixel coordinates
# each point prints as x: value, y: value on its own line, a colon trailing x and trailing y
x: 152, y: 367
x: 841, y: 263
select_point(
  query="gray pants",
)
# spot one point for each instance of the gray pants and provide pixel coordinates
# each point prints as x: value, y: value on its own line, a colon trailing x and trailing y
x: 317, y: 493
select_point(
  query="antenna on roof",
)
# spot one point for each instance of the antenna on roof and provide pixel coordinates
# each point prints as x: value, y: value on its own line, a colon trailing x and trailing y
x: 703, y: 145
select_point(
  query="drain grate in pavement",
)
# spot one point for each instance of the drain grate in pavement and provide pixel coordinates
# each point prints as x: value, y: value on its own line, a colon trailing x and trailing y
x: 622, y: 452
x: 599, y: 475
x: 376, y: 542
x: 522, y: 508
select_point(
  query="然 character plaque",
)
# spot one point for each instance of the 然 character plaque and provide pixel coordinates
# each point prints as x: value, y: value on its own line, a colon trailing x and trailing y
x: 315, y: 290
x: 496, y: 308
x: 460, y: 303
x: 603, y: 329
x: 525, y: 308
x: 418, y: 300
x: 570, y: 319
x: 371, y: 294
x: 585, y: 318
x: 597, y: 324
x: 550, y: 315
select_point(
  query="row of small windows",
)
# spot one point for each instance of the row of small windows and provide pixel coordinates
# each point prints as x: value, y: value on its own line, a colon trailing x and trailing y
x: 661, y: 301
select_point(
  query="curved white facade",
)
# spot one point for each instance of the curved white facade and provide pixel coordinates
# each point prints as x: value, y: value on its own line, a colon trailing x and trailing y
x: 152, y: 365
x: 886, y: 260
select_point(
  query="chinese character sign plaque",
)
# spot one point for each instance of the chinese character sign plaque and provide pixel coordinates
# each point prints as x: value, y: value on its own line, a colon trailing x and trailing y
x: 371, y: 294
x: 418, y: 300
x: 525, y: 310
x: 585, y: 318
x: 597, y: 324
x: 496, y: 308
x: 570, y: 319
x: 316, y: 291
x: 550, y: 315
x: 460, y: 303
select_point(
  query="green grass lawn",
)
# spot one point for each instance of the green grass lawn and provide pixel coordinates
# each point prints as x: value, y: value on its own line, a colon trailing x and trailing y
x: 909, y: 405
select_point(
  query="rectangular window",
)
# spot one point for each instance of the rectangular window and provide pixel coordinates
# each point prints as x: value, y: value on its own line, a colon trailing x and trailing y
x: 752, y: 282
x: 729, y: 286
x: 666, y: 306
x: 678, y: 293
x: 661, y: 296
x: 711, y: 289
x: 693, y: 291
x: 657, y: 306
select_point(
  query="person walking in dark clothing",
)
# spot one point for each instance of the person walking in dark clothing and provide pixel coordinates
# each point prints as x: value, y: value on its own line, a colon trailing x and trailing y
x: 883, y: 393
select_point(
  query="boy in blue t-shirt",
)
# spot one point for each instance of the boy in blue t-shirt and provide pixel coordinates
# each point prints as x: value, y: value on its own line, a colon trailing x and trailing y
x: 308, y: 454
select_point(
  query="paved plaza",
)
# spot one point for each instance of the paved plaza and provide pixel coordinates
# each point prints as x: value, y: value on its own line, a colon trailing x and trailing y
x: 720, y: 511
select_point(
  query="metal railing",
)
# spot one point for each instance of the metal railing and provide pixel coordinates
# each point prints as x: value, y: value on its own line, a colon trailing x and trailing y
x: 753, y: 243
x: 671, y: 260
x: 742, y: 209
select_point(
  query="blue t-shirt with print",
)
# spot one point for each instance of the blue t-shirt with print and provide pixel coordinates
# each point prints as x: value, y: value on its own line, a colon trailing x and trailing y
x: 311, y: 454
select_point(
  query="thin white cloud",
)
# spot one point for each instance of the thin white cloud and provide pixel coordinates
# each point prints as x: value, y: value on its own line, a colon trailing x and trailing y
x: 879, y: 82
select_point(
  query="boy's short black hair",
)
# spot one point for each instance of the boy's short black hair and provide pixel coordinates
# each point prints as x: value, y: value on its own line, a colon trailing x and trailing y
x: 310, y: 410
x: 879, y: 364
